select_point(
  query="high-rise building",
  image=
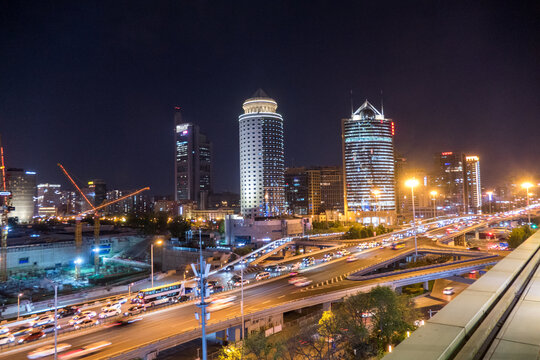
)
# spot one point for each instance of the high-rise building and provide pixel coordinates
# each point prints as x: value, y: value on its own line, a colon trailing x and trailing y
x: 22, y: 185
x: 449, y: 179
x: 98, y: 191
x: 262, y: 164
x: 311, y: 191
x: 368, y: 166
x: 193, y: 163
x: 473, y: 184
x: 49, y: 199
x: 296, y: 191
x: 331, y: 188
x: 457, y: 178
x: 138, y: 204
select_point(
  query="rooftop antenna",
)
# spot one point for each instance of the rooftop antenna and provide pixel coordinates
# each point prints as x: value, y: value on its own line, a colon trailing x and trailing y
x: 352, y: 105
x: 382, y: 104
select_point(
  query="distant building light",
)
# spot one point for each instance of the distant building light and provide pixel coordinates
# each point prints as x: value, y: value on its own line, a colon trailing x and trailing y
x: 30, y: 173
x: 447, y: 153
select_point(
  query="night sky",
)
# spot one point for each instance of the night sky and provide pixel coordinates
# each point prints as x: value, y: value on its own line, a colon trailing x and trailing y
x: 92, y: 84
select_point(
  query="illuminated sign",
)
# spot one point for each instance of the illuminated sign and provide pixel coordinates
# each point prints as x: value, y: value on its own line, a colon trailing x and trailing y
x: 472, y: 158
x: 5, y: 193
x: 182, y: 128
x: 393, y: 128
x: 446, y: 153
x: 30, y: 173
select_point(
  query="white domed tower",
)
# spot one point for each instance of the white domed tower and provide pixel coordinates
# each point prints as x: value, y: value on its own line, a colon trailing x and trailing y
x: 262, y: 163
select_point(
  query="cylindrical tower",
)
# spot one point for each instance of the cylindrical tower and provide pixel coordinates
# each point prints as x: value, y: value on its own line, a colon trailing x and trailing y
x: 262, y: 163
x: 368, y: 159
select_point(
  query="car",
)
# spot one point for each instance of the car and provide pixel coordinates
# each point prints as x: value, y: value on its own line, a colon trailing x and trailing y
x: 86, y: 323
x: 345, y: 252
x: 6, y: 338
x: 122, y: 300
x: 188, y: 290
x: 240, y: 282
x: 82, y: 316
x: 65, y: 312
x: 234, y: 279
x: 47, y: 328
x: 110, y: 305
x: 271, y: 268
x: 351, y: 258
x: 42, y: 320
x: 109, y: 313
x: 303, y: 282
x: 221, y: 302
x: 293, y: 273
x: 229, y: 268
x: 448, y: 290
x: 34, y: 335
x: 134, y: 310
x: 262, y: 275
x: 85, y: 350
x: 294, y: 280
x: 47, y: 350
x: 217, y: 288
x: 21, y: 330
x: 296, y: 266
x: 4, y: 329
x: 212, y: 283
x: 281, y: 268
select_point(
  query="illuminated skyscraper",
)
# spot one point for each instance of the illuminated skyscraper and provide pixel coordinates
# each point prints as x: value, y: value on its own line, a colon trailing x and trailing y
x: 193, y: 163
x: 368, y: 165
x: 22, y: 185
x: 262, y: 164
x: 473, y: 183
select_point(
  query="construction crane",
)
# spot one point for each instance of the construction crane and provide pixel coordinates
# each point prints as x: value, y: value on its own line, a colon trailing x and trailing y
x: 95, y: 210
x: 5, y: 209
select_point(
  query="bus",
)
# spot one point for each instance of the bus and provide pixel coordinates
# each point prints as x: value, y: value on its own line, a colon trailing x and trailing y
x: 160, y: 294
x: 398, y: 245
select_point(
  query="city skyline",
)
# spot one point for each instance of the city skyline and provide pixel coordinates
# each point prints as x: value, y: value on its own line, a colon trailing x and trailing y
x: 451, y: 91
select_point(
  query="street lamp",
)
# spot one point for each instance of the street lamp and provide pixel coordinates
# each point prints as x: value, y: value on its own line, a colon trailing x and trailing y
x: 376, y: 193
x: 159, y: 242
x: 129, y: 290
x: 19, y: 305
x: 490, y: 198
x: 526, y: 185
x: 433, y: 194
x: 412, y: 183
x: 55, y: 317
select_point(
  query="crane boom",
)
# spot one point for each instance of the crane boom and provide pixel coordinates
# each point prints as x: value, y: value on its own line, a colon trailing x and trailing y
x: 115, y: 201
x: 76, y: 186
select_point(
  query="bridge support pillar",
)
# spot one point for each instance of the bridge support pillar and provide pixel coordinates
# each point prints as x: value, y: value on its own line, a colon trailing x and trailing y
x: 283, y: 252
x: 327, y: 306
x: 426, y: 285
x: 222, y: 336
x: 398, y: 289
x: 476, y: 234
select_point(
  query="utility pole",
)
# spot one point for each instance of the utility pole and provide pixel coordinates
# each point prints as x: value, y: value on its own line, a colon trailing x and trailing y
x: 203, y: 290
x: 4, y: 211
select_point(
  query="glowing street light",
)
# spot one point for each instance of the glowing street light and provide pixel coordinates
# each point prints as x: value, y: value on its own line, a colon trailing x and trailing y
x: 412, y: 183
x: 158, y: 242
x: 526, y: 185
x: 433, y: 194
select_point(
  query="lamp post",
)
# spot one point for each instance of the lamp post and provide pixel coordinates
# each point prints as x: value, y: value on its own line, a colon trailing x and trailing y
x: 433, y: 194
x: 55, y: 317
x: 412, y: 183
x: 159, y: 242
x: 376, y: 193
x: 129, y: 289
x: 19, y: 305
x: 490, y: 198
x: 526, y: 185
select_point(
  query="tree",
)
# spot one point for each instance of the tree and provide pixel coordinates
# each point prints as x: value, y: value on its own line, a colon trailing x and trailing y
x: 257, y: 346
x: 230, y: 352
x: 519, y: 235
x: 178, y: 227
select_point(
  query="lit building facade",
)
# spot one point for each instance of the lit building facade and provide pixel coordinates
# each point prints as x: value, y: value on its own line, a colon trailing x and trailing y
x: 22, y: 185
x: 368, y: 166
x: 49, y: 199
x: 296, y: 191
x: 98, y: 191
x: 193, y: 163
x: 473, y: 184
x: 449, y: 180
x: 262, y: 163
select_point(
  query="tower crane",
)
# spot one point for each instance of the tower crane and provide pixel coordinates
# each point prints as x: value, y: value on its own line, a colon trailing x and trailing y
x: 95, y: 210
x: 5, y: 209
